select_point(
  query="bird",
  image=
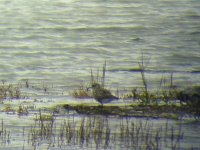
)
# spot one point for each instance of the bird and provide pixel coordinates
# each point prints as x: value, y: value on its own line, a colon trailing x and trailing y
x: 101, y: 94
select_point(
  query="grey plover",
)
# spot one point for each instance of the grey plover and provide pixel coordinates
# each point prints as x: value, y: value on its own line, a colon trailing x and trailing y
x: 101, y: 94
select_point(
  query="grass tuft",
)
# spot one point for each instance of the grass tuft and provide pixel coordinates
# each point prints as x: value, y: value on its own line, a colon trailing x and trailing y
x: 9, y: 91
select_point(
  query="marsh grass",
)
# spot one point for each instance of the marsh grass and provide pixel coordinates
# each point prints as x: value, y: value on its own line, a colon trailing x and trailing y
x: 44, y: 116
x: 5, y: 136
x: 81, y: 92
x: 99, y: 78
x: 42, y: 130
x: 8, y: 108
x: 146, y: 96
x: 97, y: 132
x: 9, y: 91
x: 166, y: 92
x: 22, y: 110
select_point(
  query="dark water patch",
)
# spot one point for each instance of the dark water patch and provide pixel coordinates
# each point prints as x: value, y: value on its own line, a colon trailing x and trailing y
x: 193, y: 16
x: 195, y: 33
x: 38, y: 54
x: 125, y: 69
x: 108, y: 28
x: 137, y: 39
x: 196, y: 71
x: 14, y: 47
x: 151, y: 71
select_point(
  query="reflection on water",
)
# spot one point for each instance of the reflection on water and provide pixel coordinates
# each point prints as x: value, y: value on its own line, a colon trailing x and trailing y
x: 46, y: 130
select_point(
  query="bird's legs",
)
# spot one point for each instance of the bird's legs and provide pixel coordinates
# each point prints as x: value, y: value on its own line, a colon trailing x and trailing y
x: 101, y: 108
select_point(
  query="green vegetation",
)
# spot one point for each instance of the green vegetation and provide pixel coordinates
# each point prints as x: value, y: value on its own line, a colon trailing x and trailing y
x: 94, y: 130
x: 8, y: 108
x: 22, y: 110
x: 167, y: 95
x: 44, y: 117
x: 81, y: 92
x: 4, y: 134
x: 9, y: 91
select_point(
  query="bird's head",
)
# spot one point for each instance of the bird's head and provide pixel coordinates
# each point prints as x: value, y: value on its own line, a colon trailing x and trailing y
x: 96, y: 85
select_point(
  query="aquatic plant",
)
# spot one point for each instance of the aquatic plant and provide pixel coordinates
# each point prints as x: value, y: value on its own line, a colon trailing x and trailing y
x: 22, y: 110
x: 99, y: 92
x: 8, y: 108
x: 9, y: 91
x: 142, y: 68
x: 100, y: 79
x: 42, y: 129
x: 81, y: 92
x: 5, y: 135
x: 166, y: 92
x: 44, y: 117
x: 97, y: 132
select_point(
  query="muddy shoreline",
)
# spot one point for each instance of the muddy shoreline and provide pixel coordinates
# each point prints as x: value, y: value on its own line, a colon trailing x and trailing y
x: 153, y: 111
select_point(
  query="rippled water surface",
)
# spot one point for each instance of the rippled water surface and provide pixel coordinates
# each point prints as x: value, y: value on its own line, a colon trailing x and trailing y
x: 58, y: 41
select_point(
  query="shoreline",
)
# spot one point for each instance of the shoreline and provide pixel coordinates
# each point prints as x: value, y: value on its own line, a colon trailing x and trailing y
x: 152, y: 111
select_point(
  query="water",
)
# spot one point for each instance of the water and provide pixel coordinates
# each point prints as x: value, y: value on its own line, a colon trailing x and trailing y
x: 24, y: 132
x: 56, y: 43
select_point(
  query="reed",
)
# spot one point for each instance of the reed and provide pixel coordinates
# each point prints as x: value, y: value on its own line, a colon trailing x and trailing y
x: 103, y: 74
x: 9, y: 91
x: 5, y: 136
x: 22, y: 110
x: 100, y: 79
x: 42, y: 130
x: 144, y: 81
x: 97, y: 132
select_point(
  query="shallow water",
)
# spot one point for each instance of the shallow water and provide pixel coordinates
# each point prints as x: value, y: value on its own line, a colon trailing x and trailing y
x: 16, y: 130
x: 54, y: 45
